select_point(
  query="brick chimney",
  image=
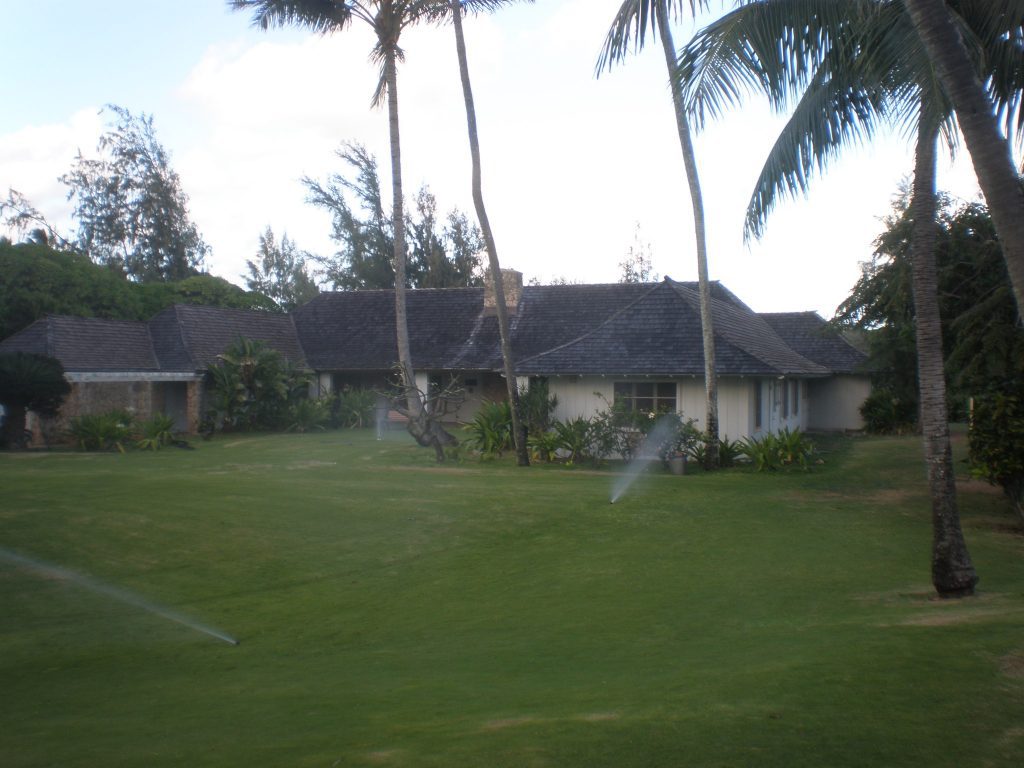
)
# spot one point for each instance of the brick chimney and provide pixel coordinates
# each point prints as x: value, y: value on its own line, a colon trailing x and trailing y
x: 512, y: 282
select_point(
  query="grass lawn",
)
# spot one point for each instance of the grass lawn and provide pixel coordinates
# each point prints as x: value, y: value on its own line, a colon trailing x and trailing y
x: 396, y: 613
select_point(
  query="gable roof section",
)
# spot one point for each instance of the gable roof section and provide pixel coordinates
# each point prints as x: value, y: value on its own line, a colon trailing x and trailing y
x: 448, y: 329
x: 189, y: 337
x: 612, y: 329
x: 815, y: 339
x: 88, y: 344
x: 660, y: 334
x: 355, y: 330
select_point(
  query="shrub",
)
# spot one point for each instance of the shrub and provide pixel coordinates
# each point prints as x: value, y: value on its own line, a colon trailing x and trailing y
x: 354, y: 408
x: 783, y: 449
x: 996, y: 437
x: 886, y: 414
x: 102, y: 431
x: 28, y: 382
x: 543, y: 445
x: 490, y: 431
x: 536, y: 407
x: 729, y: 451
x: 253, y: 387
x: 573, y: 437
x: 309, y: 413
x: 155, y: 433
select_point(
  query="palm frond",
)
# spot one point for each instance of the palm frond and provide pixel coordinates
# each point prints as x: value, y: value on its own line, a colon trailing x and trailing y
x: 832, y: 114
x: 320, y: 16
x: 632, y: 22
x: 767, y: 46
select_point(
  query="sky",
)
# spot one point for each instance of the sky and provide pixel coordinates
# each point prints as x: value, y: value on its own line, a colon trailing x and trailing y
x: 576, y: 170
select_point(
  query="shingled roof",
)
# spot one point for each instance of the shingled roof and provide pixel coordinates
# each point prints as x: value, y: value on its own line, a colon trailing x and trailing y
x: 88, y: 344
x: 188, y: 337
x: 660, y: 333
x: 181, y: 339
x: 355, y: 330
x: 615, y: 329
x: 449, y: 330
x: 812, y: 337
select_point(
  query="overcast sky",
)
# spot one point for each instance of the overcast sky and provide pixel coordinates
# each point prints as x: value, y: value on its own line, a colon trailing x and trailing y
x: 572, y: 165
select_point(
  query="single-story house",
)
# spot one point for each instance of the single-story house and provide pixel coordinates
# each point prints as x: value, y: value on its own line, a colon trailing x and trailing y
x: 639, y: 343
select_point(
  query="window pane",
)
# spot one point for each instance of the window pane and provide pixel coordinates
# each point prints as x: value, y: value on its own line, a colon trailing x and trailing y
x: 644, y: 390
x: 667, y: 389
x: 644, y: 404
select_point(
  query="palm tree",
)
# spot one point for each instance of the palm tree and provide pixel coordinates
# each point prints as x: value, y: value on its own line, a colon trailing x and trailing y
x: 858, y: 64
x: 627, y: 32
x: 943, y: 38
x: 519, y: 433
x: 387, y: 18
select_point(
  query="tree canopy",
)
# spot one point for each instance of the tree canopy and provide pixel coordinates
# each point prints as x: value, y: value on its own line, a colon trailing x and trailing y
x: 442, y: 255
x: 280, y: 273
x: 982, y: 337
x: 29, y: 382
x: 131, y: 210
x: 37, y: 279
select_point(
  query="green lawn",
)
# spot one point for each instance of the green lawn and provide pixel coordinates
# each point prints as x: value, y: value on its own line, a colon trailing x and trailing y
x: 395, y: 613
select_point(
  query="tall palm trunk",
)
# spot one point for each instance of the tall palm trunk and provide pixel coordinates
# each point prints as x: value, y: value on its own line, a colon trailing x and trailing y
x: 519, y: 432
x: 990, y: 152
x: 398, y: 222
x: 697, y: 200
x: 953, y: 574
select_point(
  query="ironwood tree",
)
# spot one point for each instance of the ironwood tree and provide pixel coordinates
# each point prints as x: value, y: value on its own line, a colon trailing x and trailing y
x: 131, y: 210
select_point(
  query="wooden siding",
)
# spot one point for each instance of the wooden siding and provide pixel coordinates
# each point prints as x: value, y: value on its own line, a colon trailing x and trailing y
x: 835, y: 402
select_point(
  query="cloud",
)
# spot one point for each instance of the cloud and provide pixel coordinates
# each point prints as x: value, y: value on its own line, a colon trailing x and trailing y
x: 33, y: 158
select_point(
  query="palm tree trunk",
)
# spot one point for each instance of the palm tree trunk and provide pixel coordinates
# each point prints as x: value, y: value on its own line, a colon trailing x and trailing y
x: 953, y: 574
x: 398, y: 223
x: 697, y: 200
x: 990, y: 151
x: 518, y: 431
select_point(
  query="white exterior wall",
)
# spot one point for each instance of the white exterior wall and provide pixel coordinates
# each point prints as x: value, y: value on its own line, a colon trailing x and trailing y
x: 582, y: 396
x: 836, y: 402
x: 576, y: 395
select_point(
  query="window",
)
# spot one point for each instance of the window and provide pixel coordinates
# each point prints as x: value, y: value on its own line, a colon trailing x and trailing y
x: 784, y: 386
x: 758, y: 404
x: 796, y: 398
x: 648, y: 397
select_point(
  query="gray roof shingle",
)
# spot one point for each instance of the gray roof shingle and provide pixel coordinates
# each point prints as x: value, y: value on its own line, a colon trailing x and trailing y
x: 660, y: 333
x: 815, y: 339
x: 181, y: 339
x: 88, y: 344
x: 620, y: 329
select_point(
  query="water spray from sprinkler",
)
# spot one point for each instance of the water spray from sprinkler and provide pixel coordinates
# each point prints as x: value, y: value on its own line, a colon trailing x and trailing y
x: 129, y: 598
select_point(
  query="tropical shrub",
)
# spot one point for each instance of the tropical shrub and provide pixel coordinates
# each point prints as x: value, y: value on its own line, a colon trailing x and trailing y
x: 253, y: 387
x: 729, y: 452
x: 543, y: 446
x: 309, y: 413
x: 573, y: 437
x: 783, y: 449
x: 28, y: 382
x: 536, y: 407
x: 102, y: 431
x: 886, y: 414
x: 996, y: 437
x: 490, y: 431
x: 155, y: 433
x: 354, y: 408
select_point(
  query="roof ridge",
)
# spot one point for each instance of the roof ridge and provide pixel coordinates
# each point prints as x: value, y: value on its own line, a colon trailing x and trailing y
x: 602, y: 324
x: 738, y: 339
x: 180, y: 330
